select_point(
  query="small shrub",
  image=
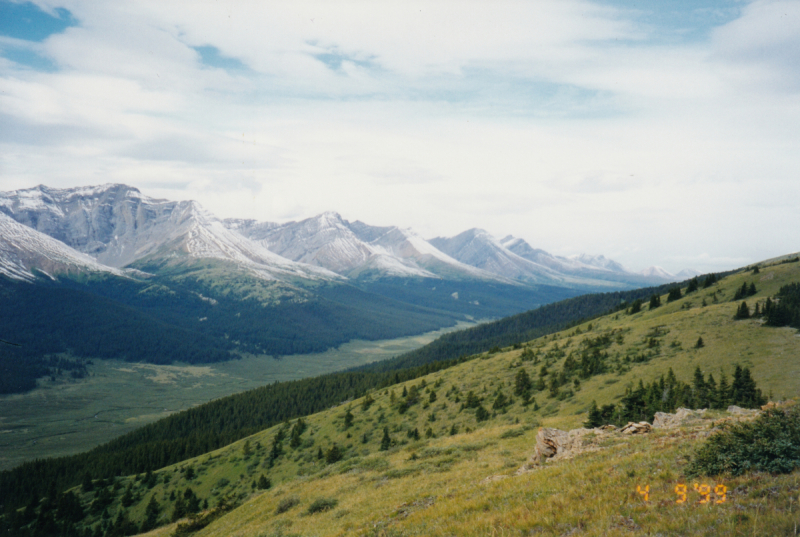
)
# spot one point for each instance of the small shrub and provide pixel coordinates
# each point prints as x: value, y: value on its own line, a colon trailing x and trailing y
x: 286, y: 504
x: 513, y: 433
x: 322, y: 504
x: 770, y: 443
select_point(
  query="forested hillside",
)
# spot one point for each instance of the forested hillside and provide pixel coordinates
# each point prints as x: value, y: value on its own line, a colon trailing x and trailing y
x: 220, y: 422
x: 444, y: 433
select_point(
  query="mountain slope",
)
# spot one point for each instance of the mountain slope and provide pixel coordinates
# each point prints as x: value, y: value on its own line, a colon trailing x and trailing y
x: 119, y: 226
x: 24, y: 250
x: 644, y: 346
x: 358, y: 250
x: 441, y: 482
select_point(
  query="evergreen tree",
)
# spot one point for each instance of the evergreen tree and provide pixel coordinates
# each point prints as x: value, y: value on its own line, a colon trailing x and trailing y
x: 522, y: 383
x: 192, y: 501
x: 693, y: 285
x: 179, y: 510
x: 700, y: 343
x: 636, y: 307
x: 481, y: 414
x: 263, y: 483
x: 367, y: 401
x: 674, y: 294
x: 151, y: 513
x: 711, y: 390
x: 334, y: 454
x: 723, y: 393
x: 594, y: 418
x: 655, y: 302
x: 386, y: 441
x: 700, y: 389
x: 743, y: 312
x: 127, y: 498
x: 500, y: 401
x: 348, y: 419
x: 453, y: 430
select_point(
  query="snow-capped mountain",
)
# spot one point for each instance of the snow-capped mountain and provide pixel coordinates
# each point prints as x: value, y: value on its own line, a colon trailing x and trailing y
x: 657, y: 272
x: 478, y: 248
x: 357, y: 249
x: 118, y: 226
x: 23, y: 250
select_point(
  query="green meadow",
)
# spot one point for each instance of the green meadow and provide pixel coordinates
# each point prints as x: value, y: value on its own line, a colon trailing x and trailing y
x: 65, y: 416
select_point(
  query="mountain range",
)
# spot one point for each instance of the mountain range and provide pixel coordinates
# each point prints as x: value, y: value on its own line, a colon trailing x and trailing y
x: 248, y: 286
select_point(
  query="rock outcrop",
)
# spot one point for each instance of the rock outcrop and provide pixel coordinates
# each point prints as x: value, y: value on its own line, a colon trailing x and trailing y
x: 683, y: 416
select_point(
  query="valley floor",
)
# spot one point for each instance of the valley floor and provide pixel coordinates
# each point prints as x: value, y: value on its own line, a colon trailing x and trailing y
x: 65, y: 417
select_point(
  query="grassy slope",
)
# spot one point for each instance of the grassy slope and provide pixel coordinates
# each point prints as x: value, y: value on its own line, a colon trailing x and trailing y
x: 435, y: 486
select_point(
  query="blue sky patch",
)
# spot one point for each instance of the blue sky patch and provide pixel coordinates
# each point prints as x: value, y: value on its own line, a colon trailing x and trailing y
x: 211, y: 57
x: 678, y: 21
x: 29, y: 23
x: 28, y: 58
x: 333, y: 59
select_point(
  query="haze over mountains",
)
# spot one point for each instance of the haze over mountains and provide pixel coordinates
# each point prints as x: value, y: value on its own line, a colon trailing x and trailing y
x: 114, y: 264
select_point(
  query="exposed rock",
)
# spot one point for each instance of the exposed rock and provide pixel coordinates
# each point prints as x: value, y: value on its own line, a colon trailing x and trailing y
x: 738, y: 411
x: 683, y: 416
x: 636, y: 428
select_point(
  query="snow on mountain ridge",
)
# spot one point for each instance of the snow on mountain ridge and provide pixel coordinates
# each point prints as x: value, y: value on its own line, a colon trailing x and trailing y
x: 118, y: 226
x: 23, y: 249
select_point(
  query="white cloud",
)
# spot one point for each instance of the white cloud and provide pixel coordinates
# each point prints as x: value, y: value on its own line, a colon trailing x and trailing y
x: 561, y: 122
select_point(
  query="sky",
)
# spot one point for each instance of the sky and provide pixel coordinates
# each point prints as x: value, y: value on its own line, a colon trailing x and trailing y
x: 658, y: 132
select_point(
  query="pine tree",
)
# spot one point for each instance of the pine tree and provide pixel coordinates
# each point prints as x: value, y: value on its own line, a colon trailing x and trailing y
x: 386, y: 441
x: 674, y: 294
x: 700, y: 389
x: 694, y: 284
x: 367, y: 401
x: 127, y: 498
x: 481, y: 414
x: 655, y: 302
x: 348, y: 419
x: 334, y: 454
x: 263, y: 483
x: 151, y: 513
x: 594, y: 418
x: 500, y: 402
x: 723, y: 392
x: 700, y: 343
x: 743, y: 312
x: 179, y: 511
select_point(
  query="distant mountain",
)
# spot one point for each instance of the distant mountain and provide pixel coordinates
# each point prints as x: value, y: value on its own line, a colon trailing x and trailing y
x: 24, y: 251
x: 357, y: 250
x: 119, y: 226
x: 657, y: 272
x: 478, y: 248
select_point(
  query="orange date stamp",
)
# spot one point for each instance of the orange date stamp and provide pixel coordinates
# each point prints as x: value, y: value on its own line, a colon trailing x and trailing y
x: 717, y: 495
